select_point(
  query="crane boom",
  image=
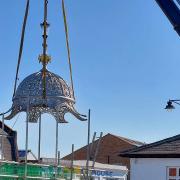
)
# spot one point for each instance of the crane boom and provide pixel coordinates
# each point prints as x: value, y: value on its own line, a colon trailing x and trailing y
x: 172, y: 11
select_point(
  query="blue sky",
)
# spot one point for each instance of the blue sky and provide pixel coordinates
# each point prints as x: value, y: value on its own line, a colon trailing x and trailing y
x: 125, y: 57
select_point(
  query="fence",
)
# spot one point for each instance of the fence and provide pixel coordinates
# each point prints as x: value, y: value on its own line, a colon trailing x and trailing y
x: 12, y: 170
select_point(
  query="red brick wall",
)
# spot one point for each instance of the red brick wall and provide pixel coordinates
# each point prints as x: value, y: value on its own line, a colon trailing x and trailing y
x: 108, y: 151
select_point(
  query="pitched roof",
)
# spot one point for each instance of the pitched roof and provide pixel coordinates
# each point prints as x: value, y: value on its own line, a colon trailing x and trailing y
x: 166, y: 148
x: 130, y: 141
x: 7, y: 129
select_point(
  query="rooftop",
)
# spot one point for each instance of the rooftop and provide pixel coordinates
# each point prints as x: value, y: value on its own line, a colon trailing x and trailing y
x: 166, y: 148
x: 130, y: 141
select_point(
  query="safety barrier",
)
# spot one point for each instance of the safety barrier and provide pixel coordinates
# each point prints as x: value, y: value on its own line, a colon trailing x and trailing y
x: 13, y: 170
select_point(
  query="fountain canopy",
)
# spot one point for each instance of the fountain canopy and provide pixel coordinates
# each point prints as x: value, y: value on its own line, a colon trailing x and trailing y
x: 59, y: 98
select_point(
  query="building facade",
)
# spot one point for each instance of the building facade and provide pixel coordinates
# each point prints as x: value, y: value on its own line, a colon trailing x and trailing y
x: 155, y: 161
x: 155, y: 169
x: 108, y: 150
x: 8, y: 144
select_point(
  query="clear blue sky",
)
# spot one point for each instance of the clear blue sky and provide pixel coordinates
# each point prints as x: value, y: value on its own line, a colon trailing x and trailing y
x: 126, y: 65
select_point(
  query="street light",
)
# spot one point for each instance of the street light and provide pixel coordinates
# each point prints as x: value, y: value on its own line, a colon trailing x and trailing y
x: 170, y: 106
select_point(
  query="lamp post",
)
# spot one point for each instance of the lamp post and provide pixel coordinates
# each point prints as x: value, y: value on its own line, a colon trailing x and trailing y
x: 170, y: 103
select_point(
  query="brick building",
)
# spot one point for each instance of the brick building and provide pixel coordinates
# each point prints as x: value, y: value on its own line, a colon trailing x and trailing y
x: 108, y: 152
x: 8, y: 143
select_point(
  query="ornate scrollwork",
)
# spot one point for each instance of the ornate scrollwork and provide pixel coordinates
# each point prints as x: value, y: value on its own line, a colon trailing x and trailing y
x: 59, y: 99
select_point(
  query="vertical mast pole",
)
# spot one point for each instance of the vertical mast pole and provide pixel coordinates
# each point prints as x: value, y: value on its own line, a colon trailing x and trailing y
x: 56, y: 151
x: 72, y: 161
x: 59, y: 158
x: 39, y: 142
x: 57, y: 133
x: 2, y: 136
x: 2, y: 146
x: 88, y: 142
x: 27, y: 129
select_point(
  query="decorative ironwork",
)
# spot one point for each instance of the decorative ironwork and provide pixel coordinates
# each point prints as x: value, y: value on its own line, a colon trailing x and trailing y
x: 59, y: 98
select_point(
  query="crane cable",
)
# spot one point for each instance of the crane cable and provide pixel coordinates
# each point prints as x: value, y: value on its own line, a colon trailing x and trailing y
x: 68, y: 48
x: 21, y: 45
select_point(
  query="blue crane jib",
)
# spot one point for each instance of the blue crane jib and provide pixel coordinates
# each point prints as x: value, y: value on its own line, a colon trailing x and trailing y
x: 171, y: 9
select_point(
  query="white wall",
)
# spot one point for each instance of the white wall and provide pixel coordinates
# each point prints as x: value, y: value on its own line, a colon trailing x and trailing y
x: 151, y: 169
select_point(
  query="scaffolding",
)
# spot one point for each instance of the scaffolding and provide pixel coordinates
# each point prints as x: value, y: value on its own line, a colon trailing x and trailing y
x: 13, y: 170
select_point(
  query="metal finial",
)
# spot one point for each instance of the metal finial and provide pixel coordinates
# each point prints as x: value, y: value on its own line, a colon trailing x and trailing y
x: 44, y: 58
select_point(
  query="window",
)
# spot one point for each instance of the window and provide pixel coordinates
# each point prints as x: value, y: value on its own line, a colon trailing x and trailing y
x: 173, y: 173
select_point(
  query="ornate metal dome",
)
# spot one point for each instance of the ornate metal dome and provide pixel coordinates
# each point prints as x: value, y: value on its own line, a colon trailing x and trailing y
x: 59, y: 99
